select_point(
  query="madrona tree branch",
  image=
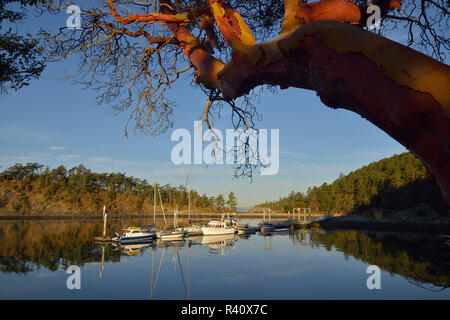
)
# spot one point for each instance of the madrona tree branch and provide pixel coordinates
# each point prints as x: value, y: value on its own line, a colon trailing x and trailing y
x: 322, y: 47
x: 403, y: 92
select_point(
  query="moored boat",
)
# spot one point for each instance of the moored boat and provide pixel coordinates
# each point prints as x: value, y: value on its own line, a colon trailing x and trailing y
x: 136, y: 234
x: 218, y: 227
x: 266, y: 227
x: 172, y: 234
x: 193, y: 230
x: 245, y: 229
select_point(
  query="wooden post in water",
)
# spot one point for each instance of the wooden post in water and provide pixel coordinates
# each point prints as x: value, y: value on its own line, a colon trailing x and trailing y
x: 175, y: 220
x: 105, y: 215
x: 102, y: 264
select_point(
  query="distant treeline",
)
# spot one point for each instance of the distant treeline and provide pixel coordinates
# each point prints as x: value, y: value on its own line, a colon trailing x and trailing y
x: 395, y: 183
x: 33, y: 188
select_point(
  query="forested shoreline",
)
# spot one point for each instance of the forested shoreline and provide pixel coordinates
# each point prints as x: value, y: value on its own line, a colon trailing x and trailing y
x: 396, y: 183
x: 37, y: 190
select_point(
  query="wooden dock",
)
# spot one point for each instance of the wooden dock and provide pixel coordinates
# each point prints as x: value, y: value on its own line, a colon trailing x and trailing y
x: 104, y: 239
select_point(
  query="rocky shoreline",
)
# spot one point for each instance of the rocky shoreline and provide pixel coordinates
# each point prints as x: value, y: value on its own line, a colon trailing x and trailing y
x: 421, y: 218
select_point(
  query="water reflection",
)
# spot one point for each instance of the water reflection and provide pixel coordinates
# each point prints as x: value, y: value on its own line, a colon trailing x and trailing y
x: 219, y: 243
x: 423, y: 259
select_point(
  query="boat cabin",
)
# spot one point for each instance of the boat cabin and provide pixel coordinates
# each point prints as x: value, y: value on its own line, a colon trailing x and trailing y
x: 217, y: 224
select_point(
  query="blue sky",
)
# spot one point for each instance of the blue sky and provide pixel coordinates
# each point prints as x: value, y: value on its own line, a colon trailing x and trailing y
x: 55, y: 122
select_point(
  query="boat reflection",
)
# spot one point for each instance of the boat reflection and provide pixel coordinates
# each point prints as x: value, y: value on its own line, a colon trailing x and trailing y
x: 29, y: 246
x: 219, y: 242
x: 132, y: 248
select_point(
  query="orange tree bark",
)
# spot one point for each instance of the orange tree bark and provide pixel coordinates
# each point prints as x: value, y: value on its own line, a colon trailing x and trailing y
x: 401, y: 91
x: 321, y: 48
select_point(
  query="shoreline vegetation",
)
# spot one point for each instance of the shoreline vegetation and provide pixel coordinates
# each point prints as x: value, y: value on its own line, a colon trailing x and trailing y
x: 35, y: 190
x: 379, y: 189
x: 395, y: 193
x: 28, y: 246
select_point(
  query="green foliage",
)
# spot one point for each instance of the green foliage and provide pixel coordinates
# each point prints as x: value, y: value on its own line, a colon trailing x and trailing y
x: 395, y: 183
x: 219, y: 202
x: 77, y: 183
x: 232, y: 201
x: 21, y: 57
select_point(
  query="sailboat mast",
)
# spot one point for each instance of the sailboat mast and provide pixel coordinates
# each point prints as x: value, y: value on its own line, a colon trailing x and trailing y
x: 189, y: 194
x: 154, y: 201
x: 162, y: 209
x: 189, y: 206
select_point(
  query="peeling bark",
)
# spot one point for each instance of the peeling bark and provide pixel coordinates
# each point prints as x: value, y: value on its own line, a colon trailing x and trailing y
x: 401, y: 91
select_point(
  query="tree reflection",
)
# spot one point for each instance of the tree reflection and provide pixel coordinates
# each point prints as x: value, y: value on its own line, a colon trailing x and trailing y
x: 27, y: 246
x: 424, y: 259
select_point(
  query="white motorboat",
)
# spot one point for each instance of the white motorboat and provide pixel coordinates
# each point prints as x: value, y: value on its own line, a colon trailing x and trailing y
x: 218, y: 227
x: 136, y: 234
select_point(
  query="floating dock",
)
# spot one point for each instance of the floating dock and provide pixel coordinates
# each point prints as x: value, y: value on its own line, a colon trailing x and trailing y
x: 104, y: 239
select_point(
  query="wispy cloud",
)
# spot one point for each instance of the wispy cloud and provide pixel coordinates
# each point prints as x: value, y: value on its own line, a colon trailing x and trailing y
x: 302, y: 169
x: 293, y: 154
x: 57, y: 148
x: 173, y: 171
x: 113, y: 162
x: 35, y: 157
x: 15, y: 132
x: 69, y: 156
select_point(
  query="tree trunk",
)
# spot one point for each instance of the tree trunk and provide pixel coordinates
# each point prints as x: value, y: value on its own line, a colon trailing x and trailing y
x: 401, y: 91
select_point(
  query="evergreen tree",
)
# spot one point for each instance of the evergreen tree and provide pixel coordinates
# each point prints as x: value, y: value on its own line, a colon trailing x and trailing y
x: 232, y: 201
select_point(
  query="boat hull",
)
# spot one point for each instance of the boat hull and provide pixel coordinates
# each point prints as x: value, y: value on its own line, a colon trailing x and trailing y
x: 172, y: 236
x: 193, y: 231
x: 149, y: 237
x: 217, y: 231
x: 247, y: 230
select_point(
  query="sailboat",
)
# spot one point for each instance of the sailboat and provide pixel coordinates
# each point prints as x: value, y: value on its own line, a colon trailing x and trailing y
x: 173, y: 234
x: 169, y: 234
x: 191, y: 230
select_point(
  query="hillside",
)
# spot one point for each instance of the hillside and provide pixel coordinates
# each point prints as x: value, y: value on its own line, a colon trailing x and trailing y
x: 395, y: 183
x: 33, y: 189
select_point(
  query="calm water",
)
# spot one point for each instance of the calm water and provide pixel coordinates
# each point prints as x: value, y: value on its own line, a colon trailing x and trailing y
x: 298, y: 264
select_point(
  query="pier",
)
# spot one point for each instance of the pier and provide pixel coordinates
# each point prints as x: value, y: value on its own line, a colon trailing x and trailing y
x: 298, y: 218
